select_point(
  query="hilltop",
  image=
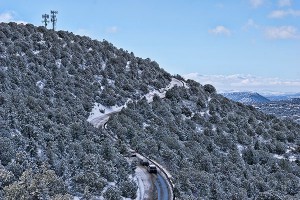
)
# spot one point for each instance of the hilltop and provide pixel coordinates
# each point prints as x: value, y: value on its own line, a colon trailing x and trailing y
x: 53, y: 83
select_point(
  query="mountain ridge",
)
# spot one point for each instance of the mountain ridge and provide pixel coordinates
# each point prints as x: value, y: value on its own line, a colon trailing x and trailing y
x: 246, y: 97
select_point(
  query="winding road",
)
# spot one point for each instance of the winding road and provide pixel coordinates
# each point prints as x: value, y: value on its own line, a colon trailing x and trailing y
x: 162, y: 188
x: 146, y: 182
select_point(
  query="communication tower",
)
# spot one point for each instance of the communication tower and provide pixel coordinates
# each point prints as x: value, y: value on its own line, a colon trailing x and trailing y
x: 53, y: 18
x: 45, y: 19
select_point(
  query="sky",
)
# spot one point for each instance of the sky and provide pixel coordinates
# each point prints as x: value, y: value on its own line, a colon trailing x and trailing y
x: 236, y: 45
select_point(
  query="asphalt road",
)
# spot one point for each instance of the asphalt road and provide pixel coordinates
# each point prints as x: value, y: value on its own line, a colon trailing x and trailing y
x: 161, y: 188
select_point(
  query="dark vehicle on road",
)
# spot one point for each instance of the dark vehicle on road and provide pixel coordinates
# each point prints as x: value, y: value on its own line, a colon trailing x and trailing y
x: 132, y: 153
x: 152, y: 169
x: 144, y: 162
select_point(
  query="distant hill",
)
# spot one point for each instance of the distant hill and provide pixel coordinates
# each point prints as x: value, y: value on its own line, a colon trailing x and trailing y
x: 246, y: 97
x: 283, y: 97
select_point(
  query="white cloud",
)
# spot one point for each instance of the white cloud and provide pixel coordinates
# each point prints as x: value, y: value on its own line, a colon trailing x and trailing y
x: 250, y: 24
x: 83, y: 32
x: 284, y: 13
x: 6, y: 17
x: 241, y: 83
x: 113, y: 29
x: 10, y: 17
x: 283, y: 3
x: 220, y: 30
x: 256, y: 3
x: 282, y: 32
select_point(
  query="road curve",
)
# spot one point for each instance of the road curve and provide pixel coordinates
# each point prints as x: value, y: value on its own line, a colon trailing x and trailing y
x: 162, y: 188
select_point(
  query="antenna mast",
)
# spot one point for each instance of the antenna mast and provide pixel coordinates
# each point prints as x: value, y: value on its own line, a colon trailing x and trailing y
x: 53, y: 18
x: 45, y: 21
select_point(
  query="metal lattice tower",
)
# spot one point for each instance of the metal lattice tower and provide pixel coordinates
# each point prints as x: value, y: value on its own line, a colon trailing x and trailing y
x: 45, y: 19
x: 53, y: 18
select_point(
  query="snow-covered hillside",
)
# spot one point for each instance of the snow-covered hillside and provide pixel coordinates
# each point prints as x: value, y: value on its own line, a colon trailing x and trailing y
x: 56, y: 85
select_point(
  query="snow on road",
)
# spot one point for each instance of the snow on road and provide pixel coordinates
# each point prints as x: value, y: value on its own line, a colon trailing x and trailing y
x: 100, y: 114
x: 162, y: 92
x: 144, y: 182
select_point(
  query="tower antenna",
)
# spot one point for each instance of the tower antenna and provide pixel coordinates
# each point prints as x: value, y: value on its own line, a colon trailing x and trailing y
x: 53, y: 18
x: 45, y: 19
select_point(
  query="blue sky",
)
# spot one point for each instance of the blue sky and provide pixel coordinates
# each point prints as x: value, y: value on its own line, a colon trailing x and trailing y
x: 198, y: 38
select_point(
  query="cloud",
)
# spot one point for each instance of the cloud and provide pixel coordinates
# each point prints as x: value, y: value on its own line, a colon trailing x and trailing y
x: 241, y: 83
x: 256, y: 3
x: 282, y: 3
x: 6, y: 17
x: 83, y: 32
x: 282, y: 32
x: 250, y: 24
x: 10, y: 17
x: 113, y: 29
x: 284, y: 13
x: 220, y: 30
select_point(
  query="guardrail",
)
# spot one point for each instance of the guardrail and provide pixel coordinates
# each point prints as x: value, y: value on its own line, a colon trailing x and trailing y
x: 170, y: 182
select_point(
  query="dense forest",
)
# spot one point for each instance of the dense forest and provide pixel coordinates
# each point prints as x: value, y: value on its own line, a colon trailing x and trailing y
x: 50, y: 81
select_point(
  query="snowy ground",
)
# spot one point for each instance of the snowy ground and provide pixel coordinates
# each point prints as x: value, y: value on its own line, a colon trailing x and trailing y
x: 145, y: 185
x: 100, y: 114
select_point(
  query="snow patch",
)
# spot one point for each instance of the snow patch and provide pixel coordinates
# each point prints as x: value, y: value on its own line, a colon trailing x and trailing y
x: 240, y: 149
x: 39, y: 152
x: 4, y: 68
x: 110, y: 81
x: 36, y: 52
x: 214, y: 128
x: 127, y: 66
x: 289, y: 149
x: 40, y: 84
x: 58, y: 63
x: 199, y: 128
x: 41, y: 42
x: 278, y: 156
x: 145, y: 125
x: 292, y: 158
x: 103, y: 65
x: 15, y: 133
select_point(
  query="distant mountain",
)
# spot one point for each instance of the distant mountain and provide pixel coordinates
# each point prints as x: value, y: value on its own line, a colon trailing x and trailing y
x: 283, y: 97
x: 246, y: 97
